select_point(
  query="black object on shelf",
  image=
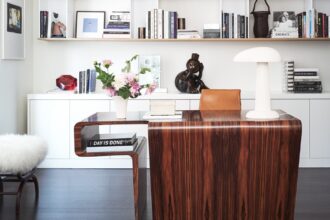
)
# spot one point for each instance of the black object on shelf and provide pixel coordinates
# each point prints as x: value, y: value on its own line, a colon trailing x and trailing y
x: 261, y: 27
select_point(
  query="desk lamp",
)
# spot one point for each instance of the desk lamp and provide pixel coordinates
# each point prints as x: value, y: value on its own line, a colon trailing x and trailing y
x: 262, y: 56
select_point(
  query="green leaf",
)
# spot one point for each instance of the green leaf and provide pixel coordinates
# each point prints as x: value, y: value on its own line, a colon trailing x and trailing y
x: 124, y: 92
x: 144, y: 70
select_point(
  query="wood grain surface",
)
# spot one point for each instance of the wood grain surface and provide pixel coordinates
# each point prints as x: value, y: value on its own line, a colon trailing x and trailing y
x: 220, y: 165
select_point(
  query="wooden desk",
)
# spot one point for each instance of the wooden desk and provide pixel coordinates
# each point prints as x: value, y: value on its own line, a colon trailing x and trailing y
x: 216, y: 164
x: 220, y: 165
x: 90, y: 126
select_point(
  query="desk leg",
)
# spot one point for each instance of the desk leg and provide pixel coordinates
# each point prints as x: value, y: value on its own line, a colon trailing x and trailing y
x: 140, y: 183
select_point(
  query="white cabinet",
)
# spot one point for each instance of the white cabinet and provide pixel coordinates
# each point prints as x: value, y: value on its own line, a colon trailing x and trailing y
x: 81, y: 109
x: 49, y: 119
x: 300, y: 110
x: 320, y: 129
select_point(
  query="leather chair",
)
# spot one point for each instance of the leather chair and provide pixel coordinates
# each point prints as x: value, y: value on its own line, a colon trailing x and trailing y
x: 220, y: 99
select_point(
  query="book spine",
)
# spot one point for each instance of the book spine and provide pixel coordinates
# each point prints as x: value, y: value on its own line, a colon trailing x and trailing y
x: 319, y: 25
x: 166, y: 24
x: 156, y: 23
x: 239, y: 26
x: 305, y: 73
x: 246, y: 27
x: 243, y: 27
x: 148, y: 25
x: 323, y: 25
x: 326, y: 26
x: 300, y: 25
x: 171, y: 24
x: 41, y: 24
x: 88, y: 74
x: 110, y: 142
x: 152, y: 24
x: 160, y: 23
x: 92, y: 81
x: 308, y: 83
x: 80, y: 82
x: 304, y: 25
x: 46, y: 24
x: 175, y: 24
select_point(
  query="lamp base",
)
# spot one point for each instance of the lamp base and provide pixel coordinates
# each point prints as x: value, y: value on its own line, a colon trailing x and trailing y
x: 262, y: 115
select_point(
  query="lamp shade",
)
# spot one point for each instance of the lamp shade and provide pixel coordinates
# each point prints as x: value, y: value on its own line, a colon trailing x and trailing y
x: 258, y: 55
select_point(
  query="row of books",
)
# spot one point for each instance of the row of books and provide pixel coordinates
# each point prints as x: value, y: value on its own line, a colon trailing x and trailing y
x: 313, y: 24
x: 234, y: 25
x: 87, y: 81
x: 161, y: 24
x: 119, y: 25
x: 302, y: 80
x: 112, y: 142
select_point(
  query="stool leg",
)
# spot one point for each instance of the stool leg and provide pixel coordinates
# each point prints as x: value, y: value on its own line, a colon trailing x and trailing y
x: 1, y: 185
x: 19, y: 195
x: 36, y: 186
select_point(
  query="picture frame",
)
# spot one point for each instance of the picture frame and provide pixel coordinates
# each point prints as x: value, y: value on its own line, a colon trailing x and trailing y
x: 151, y: 62
x: 90, y: 24
x: 13, y: 29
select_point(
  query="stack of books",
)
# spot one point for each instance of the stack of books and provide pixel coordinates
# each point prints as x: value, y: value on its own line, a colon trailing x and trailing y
x: 161, y: 24
x: 211, y: 31
x: 234, y: 25
x: 112, y: 142
x: 87, y: 81
x: 313, y: 24
x: 289, y: 75
x: 44, y: 17
x: 188, y: 34
x: 307, y: 80
x: 119, y: 25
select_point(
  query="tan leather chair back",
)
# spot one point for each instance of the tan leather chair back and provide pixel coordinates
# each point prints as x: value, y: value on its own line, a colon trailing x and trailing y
x: 220, y: 99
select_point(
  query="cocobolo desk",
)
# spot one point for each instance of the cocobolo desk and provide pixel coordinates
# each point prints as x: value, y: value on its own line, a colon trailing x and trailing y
x: 219, y: 165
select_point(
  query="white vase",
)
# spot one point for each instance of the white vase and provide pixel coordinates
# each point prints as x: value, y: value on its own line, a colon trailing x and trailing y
x: 120, y: 106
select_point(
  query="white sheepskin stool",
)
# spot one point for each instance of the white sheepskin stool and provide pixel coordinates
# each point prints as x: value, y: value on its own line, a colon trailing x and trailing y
x: 19, y: 157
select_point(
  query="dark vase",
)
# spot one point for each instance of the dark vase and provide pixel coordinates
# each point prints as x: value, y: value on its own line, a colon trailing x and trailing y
x: 261, y: 27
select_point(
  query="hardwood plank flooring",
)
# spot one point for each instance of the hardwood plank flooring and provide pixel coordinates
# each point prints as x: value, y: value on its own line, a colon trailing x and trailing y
x: 96, y: 194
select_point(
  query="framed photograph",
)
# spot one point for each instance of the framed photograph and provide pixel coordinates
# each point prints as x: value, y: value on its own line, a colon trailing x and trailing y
x: 12, y: 29
x: 90, y: 24
x: 153, y: 63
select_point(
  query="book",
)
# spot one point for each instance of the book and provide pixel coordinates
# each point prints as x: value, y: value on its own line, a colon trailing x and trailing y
x: 307, y: 83
x: 306, y: 77
x: 116, y: 139
x: 115, y: 148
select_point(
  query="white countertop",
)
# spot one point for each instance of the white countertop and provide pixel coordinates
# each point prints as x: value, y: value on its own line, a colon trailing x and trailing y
x: 172, y: 96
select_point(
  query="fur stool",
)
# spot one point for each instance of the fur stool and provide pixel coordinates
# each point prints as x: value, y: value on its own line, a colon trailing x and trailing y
x: 19, y: 157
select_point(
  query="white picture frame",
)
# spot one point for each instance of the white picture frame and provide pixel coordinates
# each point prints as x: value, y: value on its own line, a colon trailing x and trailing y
x: 153, y: 63
x: 90, y: 24
x: 12, y: 29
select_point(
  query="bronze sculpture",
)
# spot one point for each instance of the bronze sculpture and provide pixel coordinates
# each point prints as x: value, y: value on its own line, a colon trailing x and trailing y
x: 187, y: 81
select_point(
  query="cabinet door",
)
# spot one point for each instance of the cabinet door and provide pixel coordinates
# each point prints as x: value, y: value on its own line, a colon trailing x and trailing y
x: 81, y: 109
x: 181, y: 105
x: 320, y: 128
x: 300, y: 110
x: 194, y: 104
x: 49, y: 119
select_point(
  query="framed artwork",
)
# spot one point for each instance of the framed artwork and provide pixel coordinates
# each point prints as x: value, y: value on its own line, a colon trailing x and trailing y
x: 12, y: 29
x: 90, y: 24
x: 153, y: 63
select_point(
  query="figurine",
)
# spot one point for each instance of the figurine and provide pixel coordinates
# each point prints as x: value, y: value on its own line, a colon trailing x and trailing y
x: 187, y: 81
x: 58, y: 28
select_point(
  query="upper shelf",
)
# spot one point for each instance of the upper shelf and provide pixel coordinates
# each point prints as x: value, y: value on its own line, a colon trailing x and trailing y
x: 188, y: 40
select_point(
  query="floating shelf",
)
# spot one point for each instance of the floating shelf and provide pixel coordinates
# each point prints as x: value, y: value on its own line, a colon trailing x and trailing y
x: 188, y: 40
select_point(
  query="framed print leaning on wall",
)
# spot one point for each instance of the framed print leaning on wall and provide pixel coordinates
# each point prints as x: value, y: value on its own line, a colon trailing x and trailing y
x: 12, y: 29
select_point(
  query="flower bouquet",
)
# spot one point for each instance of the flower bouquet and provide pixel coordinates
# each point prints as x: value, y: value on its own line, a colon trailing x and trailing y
x: 124, y: 85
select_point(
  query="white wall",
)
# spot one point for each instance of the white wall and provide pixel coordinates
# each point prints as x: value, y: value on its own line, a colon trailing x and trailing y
x: 55, y: 58
x: 16, y: 82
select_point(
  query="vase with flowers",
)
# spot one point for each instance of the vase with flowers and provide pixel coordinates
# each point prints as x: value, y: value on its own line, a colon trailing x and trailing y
x: 122, y: 86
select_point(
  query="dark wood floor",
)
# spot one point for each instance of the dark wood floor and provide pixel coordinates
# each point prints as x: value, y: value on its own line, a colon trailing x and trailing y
x: 93, y: 194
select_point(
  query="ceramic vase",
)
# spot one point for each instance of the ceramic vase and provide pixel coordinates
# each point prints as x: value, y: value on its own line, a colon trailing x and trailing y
x: 120, y: 106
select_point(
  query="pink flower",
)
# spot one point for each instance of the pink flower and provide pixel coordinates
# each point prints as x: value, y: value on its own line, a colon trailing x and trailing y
x: 110, y: 91
x: 130, y: 78
x: 107, y: 63
x: 135, y: 88
x: 150, y: 88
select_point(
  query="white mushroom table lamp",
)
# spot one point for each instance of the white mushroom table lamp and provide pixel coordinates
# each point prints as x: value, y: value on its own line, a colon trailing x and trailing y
x: 262, y: 56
